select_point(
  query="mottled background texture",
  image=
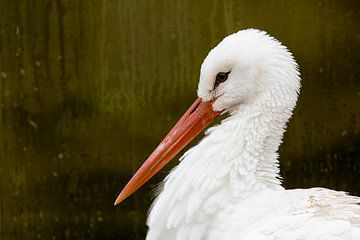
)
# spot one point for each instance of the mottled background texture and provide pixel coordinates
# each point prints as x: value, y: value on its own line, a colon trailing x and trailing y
x: 88, y: 88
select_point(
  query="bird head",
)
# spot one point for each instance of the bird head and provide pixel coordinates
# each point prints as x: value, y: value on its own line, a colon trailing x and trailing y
x: 242, y: 69
x: 245, y: 66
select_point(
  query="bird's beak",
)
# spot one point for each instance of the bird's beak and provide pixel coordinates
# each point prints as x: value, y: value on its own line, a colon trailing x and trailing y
x: 194, y: 121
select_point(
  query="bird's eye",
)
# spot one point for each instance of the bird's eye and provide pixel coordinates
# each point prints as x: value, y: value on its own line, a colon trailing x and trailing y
x: 221, y: 77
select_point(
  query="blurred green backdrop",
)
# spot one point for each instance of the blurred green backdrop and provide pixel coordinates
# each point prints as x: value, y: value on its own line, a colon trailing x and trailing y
x: 88, y: 89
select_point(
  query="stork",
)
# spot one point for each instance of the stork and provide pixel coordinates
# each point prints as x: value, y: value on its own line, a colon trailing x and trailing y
x: 228, y: 186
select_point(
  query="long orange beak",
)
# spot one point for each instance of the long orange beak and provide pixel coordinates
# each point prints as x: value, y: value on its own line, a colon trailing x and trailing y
x: 194, y: 121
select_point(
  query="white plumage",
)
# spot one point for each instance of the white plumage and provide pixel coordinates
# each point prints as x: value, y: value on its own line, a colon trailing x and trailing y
x: 228, y: 186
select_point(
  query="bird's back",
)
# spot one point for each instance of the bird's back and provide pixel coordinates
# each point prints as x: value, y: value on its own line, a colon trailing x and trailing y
x: 315, y: 213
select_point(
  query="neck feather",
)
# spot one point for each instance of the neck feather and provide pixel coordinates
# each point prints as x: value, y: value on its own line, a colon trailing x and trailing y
x: 244, y: 147
x: 234, y: 160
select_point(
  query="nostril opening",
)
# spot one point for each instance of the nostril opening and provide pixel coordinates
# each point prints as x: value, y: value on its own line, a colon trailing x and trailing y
x: 195, y: 107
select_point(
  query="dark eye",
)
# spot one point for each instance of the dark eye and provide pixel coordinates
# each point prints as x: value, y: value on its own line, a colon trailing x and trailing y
x: 221, y: 77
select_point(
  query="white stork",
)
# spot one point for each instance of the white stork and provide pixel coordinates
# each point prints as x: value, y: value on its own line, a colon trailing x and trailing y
x: 228, y: 186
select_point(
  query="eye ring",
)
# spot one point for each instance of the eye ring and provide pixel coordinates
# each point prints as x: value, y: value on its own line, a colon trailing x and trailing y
x: 221, y: 77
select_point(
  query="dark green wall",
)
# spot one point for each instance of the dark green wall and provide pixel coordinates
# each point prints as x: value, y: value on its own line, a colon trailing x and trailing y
x: 88, y: 88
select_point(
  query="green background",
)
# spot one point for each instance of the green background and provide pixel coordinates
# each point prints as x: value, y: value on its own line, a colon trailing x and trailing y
x: 88, y: 89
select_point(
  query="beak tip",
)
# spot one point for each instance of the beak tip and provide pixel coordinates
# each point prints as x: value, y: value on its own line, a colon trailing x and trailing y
x: 119, y: 199
x: 117, y: 202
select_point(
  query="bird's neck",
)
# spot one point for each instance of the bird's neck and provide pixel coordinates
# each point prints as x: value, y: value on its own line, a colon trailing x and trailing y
x: 237, y: 157
x: 253, y: 135
x: 235, y: 160
x: 244, y: 148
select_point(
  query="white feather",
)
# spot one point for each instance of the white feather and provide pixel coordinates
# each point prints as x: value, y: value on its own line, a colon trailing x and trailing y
x: 228, y: 186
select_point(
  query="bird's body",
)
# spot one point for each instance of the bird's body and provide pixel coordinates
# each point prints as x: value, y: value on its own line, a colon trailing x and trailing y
x: 299, y: 214
x: 228, y: 186
x: 230, y: 194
